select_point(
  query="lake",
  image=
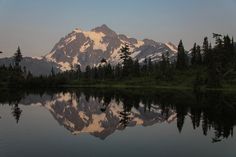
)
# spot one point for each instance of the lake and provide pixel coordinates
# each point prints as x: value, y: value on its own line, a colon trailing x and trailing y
x: 117, y: 122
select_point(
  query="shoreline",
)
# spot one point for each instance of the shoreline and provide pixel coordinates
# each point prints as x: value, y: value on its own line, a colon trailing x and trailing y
x: 154, y: 87
x: 124, y: 86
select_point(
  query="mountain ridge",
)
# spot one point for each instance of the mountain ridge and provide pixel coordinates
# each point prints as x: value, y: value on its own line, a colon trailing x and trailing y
x: 84, y: 48
x: 90, y: 47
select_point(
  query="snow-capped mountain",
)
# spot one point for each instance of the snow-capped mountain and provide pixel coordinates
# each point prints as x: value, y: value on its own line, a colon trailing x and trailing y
x: 90, y: 47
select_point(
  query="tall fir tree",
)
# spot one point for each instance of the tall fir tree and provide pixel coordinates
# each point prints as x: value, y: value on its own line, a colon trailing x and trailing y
x: 194, y: 54
x: 198, y: 55
x: 136, y: 69
x: 150, y: 66
x: 182, y: 59
x: 125, y: 53
x: 18, y: 57
x: 88, y: 72
x: 214, y: 64
x: 145, y: 66
x: 205, y: 48
x: 78, y: 71
x: 127, y: 60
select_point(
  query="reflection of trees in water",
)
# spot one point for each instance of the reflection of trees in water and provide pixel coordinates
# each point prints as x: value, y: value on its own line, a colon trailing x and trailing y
x: 125, y: 114
x: 220, y: 114
x: 211, y: 110
x: 13, y: 97
x: 106, y: 101
x: 16, y: 112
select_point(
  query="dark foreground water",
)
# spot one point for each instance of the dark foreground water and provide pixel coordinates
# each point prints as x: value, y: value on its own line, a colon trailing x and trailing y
x: 118, y: 123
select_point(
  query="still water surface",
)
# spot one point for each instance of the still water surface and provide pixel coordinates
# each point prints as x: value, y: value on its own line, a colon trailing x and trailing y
x: 99, y: 122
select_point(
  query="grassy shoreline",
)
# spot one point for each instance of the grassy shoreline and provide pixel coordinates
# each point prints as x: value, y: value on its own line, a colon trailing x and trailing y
x: 144, y: 83
x: 149, y: 86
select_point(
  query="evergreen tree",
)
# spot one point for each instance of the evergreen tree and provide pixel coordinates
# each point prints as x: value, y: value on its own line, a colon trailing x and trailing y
x: 198, y: 55
x: 205, y: 48
x: 118, y: 71
x: 24, y: 70
x: 145, y: 66
x: 198, y: 81
x: 165, y: 68
x: 194, y: 54
x: 214, y: 64
x: 78, y: 71
x: 181, y: 57
x: 125, y: 53
x: 136, y: 69
x: 18, y: 57
x: 218, y: 40
x: 29, y: 76
x: 150, y: 66
x: 127, y: 60
x: 87, y: 72
x: 226, y: 54
x: 214, y: 75
x: 108, y: 71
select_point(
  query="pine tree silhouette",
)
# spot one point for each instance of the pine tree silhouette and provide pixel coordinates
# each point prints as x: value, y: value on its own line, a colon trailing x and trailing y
x: 18, y: 57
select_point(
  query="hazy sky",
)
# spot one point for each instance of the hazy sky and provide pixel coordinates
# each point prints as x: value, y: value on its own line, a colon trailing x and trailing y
x: 36, y: 25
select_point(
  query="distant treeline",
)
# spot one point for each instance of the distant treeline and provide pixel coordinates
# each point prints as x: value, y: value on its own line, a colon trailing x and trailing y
x: 204, y: 65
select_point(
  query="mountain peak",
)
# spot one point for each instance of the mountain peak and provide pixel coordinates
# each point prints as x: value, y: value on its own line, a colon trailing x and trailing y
x: 90, y: 47
x: 78, y: 30
x: 104, y: 29
x: 104, y: 26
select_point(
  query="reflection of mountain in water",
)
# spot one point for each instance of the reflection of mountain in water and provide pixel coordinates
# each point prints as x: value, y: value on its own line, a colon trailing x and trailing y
x: 81, y: 116
x: 101, y: 112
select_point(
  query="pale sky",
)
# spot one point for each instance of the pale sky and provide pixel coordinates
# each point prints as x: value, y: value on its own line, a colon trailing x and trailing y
x: 36, y: 25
